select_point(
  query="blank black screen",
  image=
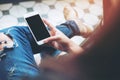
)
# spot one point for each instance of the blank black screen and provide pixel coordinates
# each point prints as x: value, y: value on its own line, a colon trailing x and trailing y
x: 37, y: 27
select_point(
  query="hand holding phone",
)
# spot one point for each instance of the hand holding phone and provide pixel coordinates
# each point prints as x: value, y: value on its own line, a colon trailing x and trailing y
x: 37, y: 27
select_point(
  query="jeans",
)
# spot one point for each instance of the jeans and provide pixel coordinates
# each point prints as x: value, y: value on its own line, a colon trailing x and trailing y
x: 19, y: 63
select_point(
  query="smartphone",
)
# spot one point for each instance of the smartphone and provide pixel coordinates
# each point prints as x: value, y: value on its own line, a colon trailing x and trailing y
x: 37, y: 27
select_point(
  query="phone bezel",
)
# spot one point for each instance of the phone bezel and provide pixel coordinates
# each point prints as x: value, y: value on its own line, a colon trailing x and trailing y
x: 40, y: 42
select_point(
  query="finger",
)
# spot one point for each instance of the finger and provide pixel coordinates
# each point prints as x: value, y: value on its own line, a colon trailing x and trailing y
x: 54, y: 44
x: 51, y: 39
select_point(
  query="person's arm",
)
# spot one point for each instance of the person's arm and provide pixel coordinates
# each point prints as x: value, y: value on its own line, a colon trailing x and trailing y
x: 60, y: 41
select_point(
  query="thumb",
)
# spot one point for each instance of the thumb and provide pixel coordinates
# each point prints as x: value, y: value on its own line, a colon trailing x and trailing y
x: 51, y: 27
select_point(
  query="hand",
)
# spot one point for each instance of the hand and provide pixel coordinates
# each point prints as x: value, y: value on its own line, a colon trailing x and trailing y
x: 59, y: 40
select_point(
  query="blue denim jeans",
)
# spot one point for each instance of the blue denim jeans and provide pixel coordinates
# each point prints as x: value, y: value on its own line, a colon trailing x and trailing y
x: 19, y: 62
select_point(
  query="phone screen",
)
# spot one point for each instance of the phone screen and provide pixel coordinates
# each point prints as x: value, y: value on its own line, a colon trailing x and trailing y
x: 37, y: 27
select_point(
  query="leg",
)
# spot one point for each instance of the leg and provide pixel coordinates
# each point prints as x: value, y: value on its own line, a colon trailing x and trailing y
x: 19, y: 61
x: 69, y: 28
x: 71, y: 14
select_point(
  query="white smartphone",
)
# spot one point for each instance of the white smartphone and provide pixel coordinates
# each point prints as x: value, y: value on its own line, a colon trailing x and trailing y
x: 37, y: 27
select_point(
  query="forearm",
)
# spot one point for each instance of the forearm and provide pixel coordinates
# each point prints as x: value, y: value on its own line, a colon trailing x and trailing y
x: 74, y: 48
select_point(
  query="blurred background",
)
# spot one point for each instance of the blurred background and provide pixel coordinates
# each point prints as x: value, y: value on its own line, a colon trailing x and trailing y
x: 12, y: 11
